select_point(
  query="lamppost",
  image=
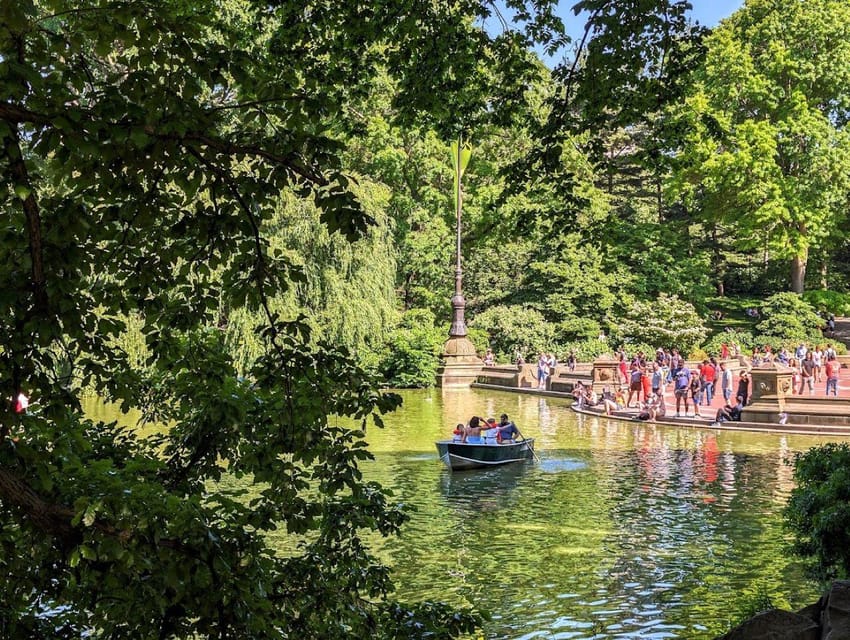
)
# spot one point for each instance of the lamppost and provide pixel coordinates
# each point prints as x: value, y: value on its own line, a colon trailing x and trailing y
x: 460, y: 158
x: 460, y: 364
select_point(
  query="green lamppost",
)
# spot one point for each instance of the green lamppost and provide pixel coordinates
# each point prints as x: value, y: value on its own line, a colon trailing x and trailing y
x: 460, y: 364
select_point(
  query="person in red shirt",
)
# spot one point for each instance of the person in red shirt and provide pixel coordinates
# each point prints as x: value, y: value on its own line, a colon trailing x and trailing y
x: 832, y: 368
x: 707, y: 374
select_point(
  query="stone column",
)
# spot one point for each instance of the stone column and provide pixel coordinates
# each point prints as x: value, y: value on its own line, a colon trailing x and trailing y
x: 460, y: 365
x: 605, y: 373
x: 770, y: 385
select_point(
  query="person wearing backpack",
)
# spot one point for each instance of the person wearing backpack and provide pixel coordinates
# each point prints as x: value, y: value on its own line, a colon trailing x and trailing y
x: 682, y: 386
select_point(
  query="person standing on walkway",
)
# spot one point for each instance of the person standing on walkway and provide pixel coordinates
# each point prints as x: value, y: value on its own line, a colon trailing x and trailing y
x: 681, y: 388
x: 658, y: 379
x: 623, y: 369
x: 744, y: 386
x: 635, y: 383
x: 807, y: 374
x: 707, y: 374
x: 726, y: 381
x: 696, y: 392
x: 542, y: 370
x: 832, y: 369
x: 817, y: 356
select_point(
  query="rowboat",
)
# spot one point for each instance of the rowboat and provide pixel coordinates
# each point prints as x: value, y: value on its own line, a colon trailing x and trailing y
x: 463, y: 455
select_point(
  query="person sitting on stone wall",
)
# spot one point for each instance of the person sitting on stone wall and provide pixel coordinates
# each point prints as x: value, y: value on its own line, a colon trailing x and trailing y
x: 730, y: 413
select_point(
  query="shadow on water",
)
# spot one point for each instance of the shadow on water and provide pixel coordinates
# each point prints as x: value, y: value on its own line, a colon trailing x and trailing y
x: 482, y: 489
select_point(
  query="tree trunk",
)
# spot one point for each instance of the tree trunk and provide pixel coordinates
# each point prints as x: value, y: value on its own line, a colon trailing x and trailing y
x: 823, y: 274
x: 798, y: 273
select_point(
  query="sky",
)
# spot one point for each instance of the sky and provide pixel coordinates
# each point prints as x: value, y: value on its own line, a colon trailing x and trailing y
x: 706, y: 12
x: 710, y: 12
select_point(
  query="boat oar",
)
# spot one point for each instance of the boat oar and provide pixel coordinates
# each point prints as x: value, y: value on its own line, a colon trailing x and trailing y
x: 533, y: 452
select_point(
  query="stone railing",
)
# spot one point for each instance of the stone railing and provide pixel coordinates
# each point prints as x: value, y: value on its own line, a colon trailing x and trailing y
x: 508, y: 375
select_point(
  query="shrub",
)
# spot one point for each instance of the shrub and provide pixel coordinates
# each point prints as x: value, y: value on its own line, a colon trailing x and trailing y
x: 788, y: 320
x: 743, y: 339
x: 698, y: 354
x: 516, y: 328
x: 585, y: 350
x: 632, y: 348
x: 412, y: 352
x: 479, y: 337
x: 578, y: 329
x: 829, y: 301
x: 666, y: 322
x: 818, y: 511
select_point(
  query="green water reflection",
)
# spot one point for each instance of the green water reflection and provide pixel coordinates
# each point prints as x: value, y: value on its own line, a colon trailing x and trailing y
x: 623, y: 530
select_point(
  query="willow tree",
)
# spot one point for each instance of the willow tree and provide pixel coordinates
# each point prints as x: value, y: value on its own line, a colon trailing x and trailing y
x: 144, y: 147
x: 767, y: 149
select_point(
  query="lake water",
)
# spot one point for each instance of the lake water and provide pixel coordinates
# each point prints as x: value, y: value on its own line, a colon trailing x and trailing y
x: 622, y: 530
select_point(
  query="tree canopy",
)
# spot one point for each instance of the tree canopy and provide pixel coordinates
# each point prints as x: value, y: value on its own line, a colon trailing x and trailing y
x: 230, y: 216
x: 147, y: 148
x: 767, y: 150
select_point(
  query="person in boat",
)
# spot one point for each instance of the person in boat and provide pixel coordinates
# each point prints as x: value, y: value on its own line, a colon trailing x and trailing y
x: 491, y: 432
x: 730, y: 413
x: 472, y: 434
x: 457, y: 434
x: 507, y: 430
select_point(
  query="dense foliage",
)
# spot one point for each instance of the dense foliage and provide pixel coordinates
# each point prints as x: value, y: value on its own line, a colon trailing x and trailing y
x: 788, y: 320
x: 237, y: 219
x: 818, y: 512
x: 174, y: 181
x: 669, y: 322
x: 766, y: 153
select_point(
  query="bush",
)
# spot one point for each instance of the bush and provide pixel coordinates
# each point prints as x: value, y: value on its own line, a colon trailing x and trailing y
x: 479, y: 337
x: 788, y: 321
x: 578, y: 330
x: 818, y: 512
x: 829, y: 301
x: 412, y: 353
x: 585, y: 350
x: 698, y: 355
x: 666, y: 322
x: 516, y: 328
x: 632, y: 348
x: 729, y: 337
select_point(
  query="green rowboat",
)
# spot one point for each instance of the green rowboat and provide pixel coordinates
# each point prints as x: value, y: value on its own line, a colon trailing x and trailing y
x: 463, y: 455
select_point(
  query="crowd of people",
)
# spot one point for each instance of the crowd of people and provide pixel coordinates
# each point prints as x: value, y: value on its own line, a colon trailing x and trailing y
x: 642, y: 382
x: 481, y: 431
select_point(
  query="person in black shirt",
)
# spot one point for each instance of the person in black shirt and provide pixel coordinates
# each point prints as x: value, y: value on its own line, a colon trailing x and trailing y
x: 744, y: 387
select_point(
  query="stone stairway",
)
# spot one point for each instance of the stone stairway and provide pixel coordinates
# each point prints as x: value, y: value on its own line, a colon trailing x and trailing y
x: 842, y: 331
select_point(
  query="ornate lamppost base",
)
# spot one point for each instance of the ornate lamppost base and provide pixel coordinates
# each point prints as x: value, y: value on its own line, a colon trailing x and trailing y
x: 460, y: 364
